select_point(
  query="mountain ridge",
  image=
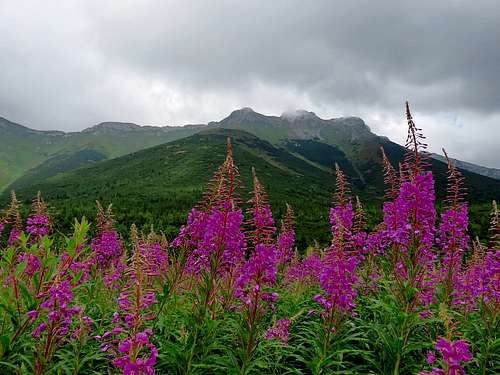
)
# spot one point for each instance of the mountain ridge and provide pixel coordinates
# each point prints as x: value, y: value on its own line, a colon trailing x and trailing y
x: 50, y: 151
x: 158, y: 185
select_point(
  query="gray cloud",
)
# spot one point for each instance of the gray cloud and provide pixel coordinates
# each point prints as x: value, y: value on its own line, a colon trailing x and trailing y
x: 156, y: 62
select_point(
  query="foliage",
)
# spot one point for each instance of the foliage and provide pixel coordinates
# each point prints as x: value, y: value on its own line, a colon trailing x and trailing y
x: 233, y: 294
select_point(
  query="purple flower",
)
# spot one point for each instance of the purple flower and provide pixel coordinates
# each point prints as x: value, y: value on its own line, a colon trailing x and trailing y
x: 409, y: 230
x: 453, y: 353
x: 431, y: 357
x: 137, y: 354
x: 38, y: 330
x: 37, y: 226
x: 341, y: 220
x: 279, y: 331
x: 260, y: 270
x: 337, y: 279
x: 14, y: 236
x: 306, y: 271
x: 286, y: 243
x: 107, y: 249
x: 221, y: 236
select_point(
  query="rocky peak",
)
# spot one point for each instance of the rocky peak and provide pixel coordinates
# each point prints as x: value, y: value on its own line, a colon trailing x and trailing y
x: 299, y: 114
x: 106, y: 127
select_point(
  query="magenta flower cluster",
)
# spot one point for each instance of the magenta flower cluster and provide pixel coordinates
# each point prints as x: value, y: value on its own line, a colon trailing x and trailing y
x: 454, y: 354
x: 338, y: 279
x: 137, y: 355
x: 60, y: 312
x: 279, y: 331
x: 219, y: 235
x: 107, y: 249
x: 37, y: 226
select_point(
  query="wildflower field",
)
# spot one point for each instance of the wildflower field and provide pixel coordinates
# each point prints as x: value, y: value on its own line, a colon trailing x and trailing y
x: 232, y: 294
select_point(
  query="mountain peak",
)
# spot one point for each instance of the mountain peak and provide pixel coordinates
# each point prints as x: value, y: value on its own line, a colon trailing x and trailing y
x: 298, y: 114
x: 245, y: 114
x: 111, y: 126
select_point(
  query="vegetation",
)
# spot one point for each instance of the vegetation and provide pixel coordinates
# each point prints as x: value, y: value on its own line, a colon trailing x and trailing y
x: 234, y: 292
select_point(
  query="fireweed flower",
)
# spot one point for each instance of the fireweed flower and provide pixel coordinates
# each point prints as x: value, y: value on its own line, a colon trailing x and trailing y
x: 409, y: 227
x: 262, y: 220
x: 193, y: 232
x: 454, y: 353
x: 137, y: 355
x: 279, y: 331
x: 471, y: 285
x: 412, y: 215
x: 286, y: 242
x: 453, y: 242
x: 107, y: 249
x: 480, y: 281
x: 13, y: 217
x: 306, y: 271
x: 337, y: 276
x: 341, y: 220
x: 157, y: 258
x: 38, y: 223
x: 337, y: 279
x: 222, y: 237
x: 59, y: 309
x: 130, y: 342
x: 286, y: 239
x: 261, y: 268
x: 491, y: 277
x: 33, y: 264
x: 38, y: 226
x: 14, y: 236
x: 258, y: 272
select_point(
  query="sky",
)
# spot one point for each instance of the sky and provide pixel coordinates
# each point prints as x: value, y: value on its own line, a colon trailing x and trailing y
x: 68, y: 65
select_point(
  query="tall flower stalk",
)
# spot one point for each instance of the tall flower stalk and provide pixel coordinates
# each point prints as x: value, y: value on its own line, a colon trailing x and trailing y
x: 131, y: 345
x: 259, y: 272
x: 337, y: 277
x: 452, y: 234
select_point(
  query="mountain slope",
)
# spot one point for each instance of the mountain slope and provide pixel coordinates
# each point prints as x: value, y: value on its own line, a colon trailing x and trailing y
x: 160, y: 184
x: 164, y: 182
x: 356, y: 147
x: 471, y: 167
x: 22, y: 149
x: 27, y: 155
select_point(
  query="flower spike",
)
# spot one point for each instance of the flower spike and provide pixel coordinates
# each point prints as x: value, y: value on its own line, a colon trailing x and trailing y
x: 416, y: 157
x: 390, y: 177
x: 495, y: 226
x: 455, y: 189
x: 342, y: 190
x: 359, y: 217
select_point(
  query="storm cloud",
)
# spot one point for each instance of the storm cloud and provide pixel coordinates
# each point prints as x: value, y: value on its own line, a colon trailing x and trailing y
x: 71, y: 65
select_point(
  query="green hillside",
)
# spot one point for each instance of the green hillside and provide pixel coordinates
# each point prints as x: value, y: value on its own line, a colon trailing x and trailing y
x: 22, y: 149
x: 159, y: 185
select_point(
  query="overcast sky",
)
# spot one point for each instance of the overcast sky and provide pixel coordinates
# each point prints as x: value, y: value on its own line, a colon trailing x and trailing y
x: 70, y: 64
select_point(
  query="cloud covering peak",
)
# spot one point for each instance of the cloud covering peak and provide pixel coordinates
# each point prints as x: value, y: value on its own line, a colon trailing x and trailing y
x: 71, y: 64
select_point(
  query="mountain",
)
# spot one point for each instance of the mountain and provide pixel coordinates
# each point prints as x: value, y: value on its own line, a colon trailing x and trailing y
x: 27, y: 155
x: 22, y: 149
x: 483, y: 171
x: 159, y: 185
